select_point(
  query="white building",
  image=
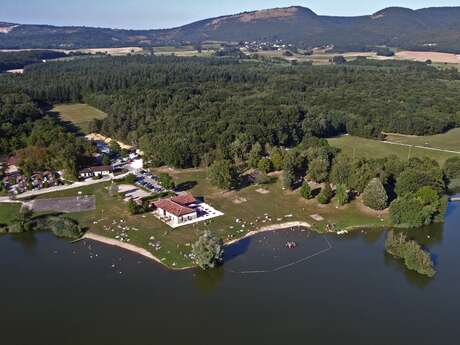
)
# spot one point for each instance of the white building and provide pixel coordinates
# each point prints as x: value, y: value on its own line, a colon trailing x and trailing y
x: 176, y: 210
x: 98, y: 171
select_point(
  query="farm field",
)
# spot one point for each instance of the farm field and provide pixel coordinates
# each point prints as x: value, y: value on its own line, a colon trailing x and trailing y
x: 368, y: 148
x: 245, y: 210
x: 447, y: 141
x: 79, y: 115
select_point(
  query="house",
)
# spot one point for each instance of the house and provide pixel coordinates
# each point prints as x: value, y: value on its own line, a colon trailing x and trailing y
x: 97, y: 171
x: 177, y: 210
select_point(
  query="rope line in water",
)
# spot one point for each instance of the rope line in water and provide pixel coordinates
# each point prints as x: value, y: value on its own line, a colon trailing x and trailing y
x: 277, y: 269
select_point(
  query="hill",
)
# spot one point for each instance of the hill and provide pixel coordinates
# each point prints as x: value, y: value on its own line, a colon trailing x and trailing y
x: 424, y: 29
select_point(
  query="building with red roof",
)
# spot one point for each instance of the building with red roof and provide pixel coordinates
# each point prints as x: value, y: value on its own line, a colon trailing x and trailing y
x: 176, y: 210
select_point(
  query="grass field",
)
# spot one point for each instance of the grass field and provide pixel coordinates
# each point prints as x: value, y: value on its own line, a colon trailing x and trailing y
x: 361, y: 147
x: 248, y: 205
x: 447, y: 141
x: 8, y: 213
x: 79, y: 115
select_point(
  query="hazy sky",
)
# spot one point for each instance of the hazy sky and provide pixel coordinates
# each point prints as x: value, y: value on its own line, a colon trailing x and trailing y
x: 146, y: 14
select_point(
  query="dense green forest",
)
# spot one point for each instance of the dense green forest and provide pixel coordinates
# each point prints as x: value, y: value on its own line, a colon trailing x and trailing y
x: 185, y: 111
x: 20, y: 59
x: 40, y: 142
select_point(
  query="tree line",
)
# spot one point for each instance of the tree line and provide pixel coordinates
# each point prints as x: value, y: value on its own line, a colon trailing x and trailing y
x: 189, y: 111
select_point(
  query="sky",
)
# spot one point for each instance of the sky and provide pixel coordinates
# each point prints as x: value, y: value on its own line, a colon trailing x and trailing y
x: 155, y: 14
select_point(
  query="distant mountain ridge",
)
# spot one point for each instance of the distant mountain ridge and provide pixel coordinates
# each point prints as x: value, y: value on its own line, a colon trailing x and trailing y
x: 436, y: 28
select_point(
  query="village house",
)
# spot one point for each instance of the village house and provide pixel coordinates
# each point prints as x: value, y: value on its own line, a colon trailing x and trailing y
x: 98, y: 171
x: 176, y: 210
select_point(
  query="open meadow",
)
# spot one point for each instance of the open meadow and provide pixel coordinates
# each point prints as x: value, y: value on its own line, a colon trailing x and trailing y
x: 446, y: 141
x: 369, y: 148
x: 78, y: 115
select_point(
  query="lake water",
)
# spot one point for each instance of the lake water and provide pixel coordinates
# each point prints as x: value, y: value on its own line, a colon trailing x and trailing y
x: 343, y: 290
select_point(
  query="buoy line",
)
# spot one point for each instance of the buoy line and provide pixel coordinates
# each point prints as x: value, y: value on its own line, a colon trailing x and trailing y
x: 280, y: 268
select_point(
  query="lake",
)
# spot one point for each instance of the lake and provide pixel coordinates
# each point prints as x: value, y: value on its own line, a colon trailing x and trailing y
x: 328, y: 290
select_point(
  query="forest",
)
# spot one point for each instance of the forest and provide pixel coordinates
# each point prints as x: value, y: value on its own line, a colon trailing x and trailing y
x: 189, y: 111
x: 20, y: 59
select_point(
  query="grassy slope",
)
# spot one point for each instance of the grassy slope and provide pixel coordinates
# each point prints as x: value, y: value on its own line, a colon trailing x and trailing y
x: 79, y: 115
x: 175, y: 243
x: 375, y: 149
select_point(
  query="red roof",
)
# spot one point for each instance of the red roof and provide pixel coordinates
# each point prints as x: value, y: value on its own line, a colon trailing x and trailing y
x: 185, y: 199
x: 174, y: 208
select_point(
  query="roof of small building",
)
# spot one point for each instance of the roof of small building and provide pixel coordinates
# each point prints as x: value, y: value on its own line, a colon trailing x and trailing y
x: 174, y: 208
x: 185, y: 199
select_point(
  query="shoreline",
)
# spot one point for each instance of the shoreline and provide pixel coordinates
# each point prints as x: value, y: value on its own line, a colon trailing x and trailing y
x: 145, y: 253
x: 128, y: 247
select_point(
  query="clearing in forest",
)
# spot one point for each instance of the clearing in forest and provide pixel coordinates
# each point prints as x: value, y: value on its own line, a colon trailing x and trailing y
x: 79, y: 115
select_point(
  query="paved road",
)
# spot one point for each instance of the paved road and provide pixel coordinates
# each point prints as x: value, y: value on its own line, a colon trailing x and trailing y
x: 61, y: 188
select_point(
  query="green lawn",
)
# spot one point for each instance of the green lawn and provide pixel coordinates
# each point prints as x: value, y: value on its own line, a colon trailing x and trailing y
x: 80, y: 115
x: 8, y: 213
x: 361, y: 147
x: 447, y: 141
x: 281, y: 206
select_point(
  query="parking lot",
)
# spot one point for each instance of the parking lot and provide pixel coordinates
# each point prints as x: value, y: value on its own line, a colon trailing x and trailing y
x: 149, y: 182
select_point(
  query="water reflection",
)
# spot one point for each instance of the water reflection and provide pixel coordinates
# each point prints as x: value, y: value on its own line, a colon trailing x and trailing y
x: 209, y: 280
x: 413, y: 278
x: 27, y: 240
x: 236, y: 249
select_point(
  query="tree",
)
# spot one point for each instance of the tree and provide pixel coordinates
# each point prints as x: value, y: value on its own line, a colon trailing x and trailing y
x: 166, y: 181
x: 265, y: 165
x: 305, y: 190
x: 415, y: 258
x: 255, y: 155
x: 339, y: 60
x: 375, y: 195
x: 412, y: 179
x: 223, y: 174
x: 208, y: 251
x: 106, y: 159
x: 326, y: 194
x: 341, y: 194
x: 318, y: 170
x: 115, y: 148
x: 277, y: 158
x: 452, y: 167
x: 133, y: 207
x: 22, y: 221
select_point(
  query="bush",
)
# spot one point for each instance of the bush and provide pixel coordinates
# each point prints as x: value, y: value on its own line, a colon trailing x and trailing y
x: 166, y: 181
x: 415, y: 258
x: 305, y: 191
x: 263, y: 179
x: 208, y: 251
x: 265, y: 165
x: 64, y: 227
x: 341, y: 195
x: 375, y: 195
x: 326, y: 195
x: 452, y: 167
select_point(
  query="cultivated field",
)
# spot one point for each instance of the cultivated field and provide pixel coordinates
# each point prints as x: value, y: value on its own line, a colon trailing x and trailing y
x: 79, y: 115
x: 424, y: 56
x: 361, y: 147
